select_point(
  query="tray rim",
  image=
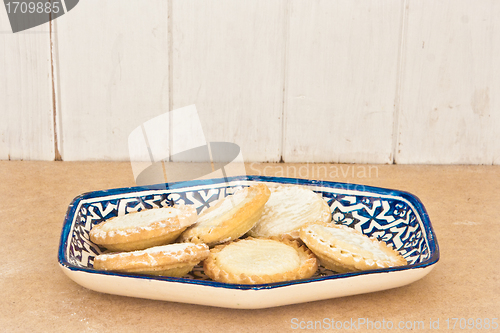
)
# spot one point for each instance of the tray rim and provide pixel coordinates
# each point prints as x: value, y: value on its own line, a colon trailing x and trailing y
x: 411, y: 198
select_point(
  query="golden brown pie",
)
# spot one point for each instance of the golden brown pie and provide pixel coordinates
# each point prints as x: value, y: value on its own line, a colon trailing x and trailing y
x: 288, y: 209
x: 168, y: 260
x: 260, y: 260
x: 343, y: 249
x: 230, y: 218
x: 143, y: 229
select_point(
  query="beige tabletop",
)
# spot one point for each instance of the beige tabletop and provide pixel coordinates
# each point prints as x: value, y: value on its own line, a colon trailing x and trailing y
x: 36, y: 296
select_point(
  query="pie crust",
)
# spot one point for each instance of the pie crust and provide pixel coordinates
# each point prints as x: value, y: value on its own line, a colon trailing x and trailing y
x: 166, y: 260
x: 260, y: 260
x: 230, y: 218
x: 143, y: 229
x: 343, y: 249
x: 288, y: 209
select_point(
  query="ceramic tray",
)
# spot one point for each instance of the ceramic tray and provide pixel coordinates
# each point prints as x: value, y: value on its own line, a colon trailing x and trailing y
x: 396, y: 217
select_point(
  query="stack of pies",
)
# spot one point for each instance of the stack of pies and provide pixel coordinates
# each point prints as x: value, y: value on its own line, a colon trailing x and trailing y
x: 257, y: 235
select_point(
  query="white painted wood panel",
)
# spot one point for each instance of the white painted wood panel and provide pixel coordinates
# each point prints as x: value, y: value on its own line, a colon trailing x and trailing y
x: 341, y: 80
x: 228, y: 59
x: 450, y: 104
x: 26, y: 128
x: 113, y: 75
x: 331, y: 68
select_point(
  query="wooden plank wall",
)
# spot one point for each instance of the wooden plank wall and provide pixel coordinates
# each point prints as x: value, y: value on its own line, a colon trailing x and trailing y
x: 450, y: 93
x: 391, y: 81
x: 26, y: 103
x: 228, y: 59
x: 113, y: 75
x: 342, y: 66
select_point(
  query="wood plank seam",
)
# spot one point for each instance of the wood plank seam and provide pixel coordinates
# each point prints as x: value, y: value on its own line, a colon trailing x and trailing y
x: 399, y: 80
x: 57, y: 154
x: 170, y: 75
x: 286, y: 34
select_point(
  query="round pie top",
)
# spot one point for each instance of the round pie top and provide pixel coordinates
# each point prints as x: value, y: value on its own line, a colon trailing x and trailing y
x: 345, y: 238
x: 222, y: 207
x: 158, y: 256
x: 146, y: 223
x: 269, y: 257
x: 288, y: 209
x: 349, y: 247
x: 229, y: 218
x: 142, y: 219
x: 260, y: 260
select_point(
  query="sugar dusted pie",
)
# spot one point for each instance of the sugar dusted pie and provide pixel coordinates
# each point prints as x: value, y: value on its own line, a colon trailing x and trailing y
x: 288, y: 209
x: 143, y: 229
x: 230, y: 218
x: 168, y: 260
x: 260, y: 260
x: 343, y: 249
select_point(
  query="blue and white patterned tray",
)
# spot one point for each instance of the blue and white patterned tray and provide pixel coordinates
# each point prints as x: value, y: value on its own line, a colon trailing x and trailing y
x: 396, y: 217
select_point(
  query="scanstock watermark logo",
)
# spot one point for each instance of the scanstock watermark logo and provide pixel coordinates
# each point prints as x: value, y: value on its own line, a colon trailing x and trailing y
x: 24, y: 15
x: 172, y: 148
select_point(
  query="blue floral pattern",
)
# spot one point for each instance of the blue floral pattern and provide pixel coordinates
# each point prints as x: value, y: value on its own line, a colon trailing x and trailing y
x: 388, y: 217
